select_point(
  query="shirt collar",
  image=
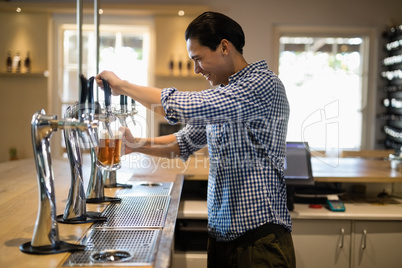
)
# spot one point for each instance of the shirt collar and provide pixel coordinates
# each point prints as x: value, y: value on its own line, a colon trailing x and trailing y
x: 250, y: 68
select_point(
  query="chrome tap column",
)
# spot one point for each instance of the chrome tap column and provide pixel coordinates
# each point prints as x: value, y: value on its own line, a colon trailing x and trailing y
x: 95, y: 191
x: 45, y: 238
x: 83, y: 110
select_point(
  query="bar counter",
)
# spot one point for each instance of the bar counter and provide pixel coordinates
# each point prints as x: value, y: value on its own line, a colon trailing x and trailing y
x: 19, y: 206
x: 19, y: 197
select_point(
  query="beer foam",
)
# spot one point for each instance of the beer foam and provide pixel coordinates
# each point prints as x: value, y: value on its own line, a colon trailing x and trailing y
x: 104, y: 134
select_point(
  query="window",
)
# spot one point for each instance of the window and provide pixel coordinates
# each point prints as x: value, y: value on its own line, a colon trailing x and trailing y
x: 325, y: 79
x: 125, y: 48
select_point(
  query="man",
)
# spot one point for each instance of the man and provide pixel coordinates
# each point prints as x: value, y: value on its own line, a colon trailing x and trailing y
x: 244, y: 122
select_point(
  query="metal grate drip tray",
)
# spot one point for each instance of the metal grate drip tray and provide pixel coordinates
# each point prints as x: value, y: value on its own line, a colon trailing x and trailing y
x: 142, y: 188
x: 116, y: 247
x: 136, y: 211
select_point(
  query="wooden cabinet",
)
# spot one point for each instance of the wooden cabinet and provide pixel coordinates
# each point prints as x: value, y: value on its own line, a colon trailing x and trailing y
x: 347, y: 243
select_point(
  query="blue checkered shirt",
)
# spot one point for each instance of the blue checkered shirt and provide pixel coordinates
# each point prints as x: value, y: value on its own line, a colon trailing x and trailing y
x: 244, y: 125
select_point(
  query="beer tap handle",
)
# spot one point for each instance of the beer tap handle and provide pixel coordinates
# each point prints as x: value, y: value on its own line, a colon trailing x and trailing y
x: 109, y: 116
x: 98, y: 108
x: 82, y: 97
x: 90, y: 96
x: 133, y: 105
x: 108, y: 94
x: 123, y: 104
x: 83, y: 89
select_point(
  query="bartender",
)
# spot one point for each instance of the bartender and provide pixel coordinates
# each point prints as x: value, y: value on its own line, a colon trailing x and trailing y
x: 243, y: 121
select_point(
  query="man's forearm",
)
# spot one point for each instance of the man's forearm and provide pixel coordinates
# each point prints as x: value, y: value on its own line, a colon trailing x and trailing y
x: 150, y: 97
x: 163, y: 146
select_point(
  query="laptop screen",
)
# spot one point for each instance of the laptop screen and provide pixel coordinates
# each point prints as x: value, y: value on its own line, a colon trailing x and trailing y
x: 298, y: 169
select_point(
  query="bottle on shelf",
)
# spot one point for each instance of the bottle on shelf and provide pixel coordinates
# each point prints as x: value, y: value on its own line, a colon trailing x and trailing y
x: 180, y: 66
x: 27, y: 63
x: 17, y: 62
x: 171, y: 64
x: 9, y: 62
x: 189, y: 67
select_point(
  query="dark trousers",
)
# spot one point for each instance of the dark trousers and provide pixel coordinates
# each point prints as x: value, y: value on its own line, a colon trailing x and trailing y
x: 270, y: 245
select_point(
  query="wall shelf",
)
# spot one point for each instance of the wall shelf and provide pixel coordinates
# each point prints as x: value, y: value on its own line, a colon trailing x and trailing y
x: 32, y: 74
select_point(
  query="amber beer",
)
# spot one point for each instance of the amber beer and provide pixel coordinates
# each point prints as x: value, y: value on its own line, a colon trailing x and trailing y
x: 109, y: 151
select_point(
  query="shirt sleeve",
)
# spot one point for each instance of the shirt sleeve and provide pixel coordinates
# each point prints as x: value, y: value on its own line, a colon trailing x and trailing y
x: 191, y: 139
x: 236, y: 102
x: 169, y: 106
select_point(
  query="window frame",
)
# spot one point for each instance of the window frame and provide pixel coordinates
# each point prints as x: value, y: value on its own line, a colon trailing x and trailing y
x: 369, y: 79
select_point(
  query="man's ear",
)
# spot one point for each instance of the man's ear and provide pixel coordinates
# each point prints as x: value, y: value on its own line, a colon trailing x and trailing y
x: 225, y: 46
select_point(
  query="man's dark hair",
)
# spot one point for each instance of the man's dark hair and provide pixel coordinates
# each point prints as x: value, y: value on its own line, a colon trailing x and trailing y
x: 210, y: 28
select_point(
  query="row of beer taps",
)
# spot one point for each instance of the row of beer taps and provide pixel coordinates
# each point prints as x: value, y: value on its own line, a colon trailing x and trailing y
x: 79, y: 127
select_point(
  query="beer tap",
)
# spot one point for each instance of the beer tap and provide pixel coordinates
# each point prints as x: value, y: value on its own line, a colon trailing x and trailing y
x: 45, y: 239
x: 111, y: 176
x: 123, y: 111
x: 95, y: 191
x: 75, y: 211
x: 133, y: 111
x: 108, y: 117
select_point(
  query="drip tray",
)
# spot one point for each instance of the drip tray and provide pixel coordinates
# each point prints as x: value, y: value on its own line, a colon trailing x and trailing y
x: 145, y: 188
x: 136, y: 211
x: 116, y: 247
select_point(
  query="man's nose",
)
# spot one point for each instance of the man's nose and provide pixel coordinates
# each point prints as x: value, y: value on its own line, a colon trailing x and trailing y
x: 197, y: 68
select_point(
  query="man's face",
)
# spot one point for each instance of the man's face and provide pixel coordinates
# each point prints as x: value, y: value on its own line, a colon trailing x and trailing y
x: 211, y: 64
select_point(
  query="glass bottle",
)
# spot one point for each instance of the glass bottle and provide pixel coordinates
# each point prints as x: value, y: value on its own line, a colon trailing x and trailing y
x: 17, y: 62
x: 9, y: 62
x: 27, y: 63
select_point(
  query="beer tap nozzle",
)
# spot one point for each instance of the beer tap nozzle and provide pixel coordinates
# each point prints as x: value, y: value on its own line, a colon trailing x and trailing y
x: 133, y: 111
x: 122, y: 114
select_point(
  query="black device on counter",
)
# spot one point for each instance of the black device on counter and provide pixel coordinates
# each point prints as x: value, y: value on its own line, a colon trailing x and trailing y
x: 301, y: 186
x: 298, y: 170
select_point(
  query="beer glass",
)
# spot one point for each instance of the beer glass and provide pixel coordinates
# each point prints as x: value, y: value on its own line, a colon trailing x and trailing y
x: 109, y: 146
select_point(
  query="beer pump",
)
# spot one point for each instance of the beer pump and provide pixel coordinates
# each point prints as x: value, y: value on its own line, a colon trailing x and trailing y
x: 122, y: 115
x: 83, y: 110
x: 95, y: 191
x: 45, y: 238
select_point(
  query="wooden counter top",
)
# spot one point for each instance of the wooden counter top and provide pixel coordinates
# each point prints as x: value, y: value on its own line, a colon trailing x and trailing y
x: 19, y: 206
x: 348, y: 170
x: 354, y: 170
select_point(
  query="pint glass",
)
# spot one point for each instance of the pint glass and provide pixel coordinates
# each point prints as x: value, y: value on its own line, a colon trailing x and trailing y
x: 109, y: 147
